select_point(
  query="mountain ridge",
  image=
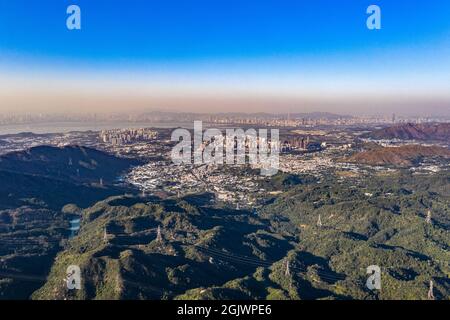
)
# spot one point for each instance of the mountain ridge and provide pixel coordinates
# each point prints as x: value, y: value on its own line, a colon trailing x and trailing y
x: 410, y: 131
x: 403, y: 156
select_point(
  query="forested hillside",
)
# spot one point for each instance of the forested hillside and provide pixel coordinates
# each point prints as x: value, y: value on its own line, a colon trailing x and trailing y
x: 283, y: 251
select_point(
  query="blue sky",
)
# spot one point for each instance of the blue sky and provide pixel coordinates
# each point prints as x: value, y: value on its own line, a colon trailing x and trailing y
x: 214, y: 43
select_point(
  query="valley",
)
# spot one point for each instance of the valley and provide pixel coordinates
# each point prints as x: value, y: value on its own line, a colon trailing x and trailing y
x: 224, y: 232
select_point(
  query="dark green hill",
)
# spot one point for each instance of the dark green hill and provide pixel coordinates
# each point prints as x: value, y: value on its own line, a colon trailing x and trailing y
x: 194, y: 252
x: 25, y: 189
x: 212, y: 253
x: 216, y: 252
x: 377, y: 221
x: 52, y: 177
x: 69, y: 163
x: 35, y: 186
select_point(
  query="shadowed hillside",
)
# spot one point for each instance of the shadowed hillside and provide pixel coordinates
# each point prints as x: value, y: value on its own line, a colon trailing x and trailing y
x: 216, y: 253
x: 36, y: 186
x: 52, y: 177
x: 74, y: 163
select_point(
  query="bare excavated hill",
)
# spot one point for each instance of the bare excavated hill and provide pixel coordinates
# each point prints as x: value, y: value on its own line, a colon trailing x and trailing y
x: 403, y: 156
x: 410, y: 131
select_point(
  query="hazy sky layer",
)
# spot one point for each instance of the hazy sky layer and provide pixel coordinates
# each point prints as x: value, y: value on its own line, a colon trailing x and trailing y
x: 225, y: 55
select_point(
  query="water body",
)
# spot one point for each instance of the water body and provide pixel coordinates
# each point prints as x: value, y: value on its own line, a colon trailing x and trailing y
x: 64, y: 127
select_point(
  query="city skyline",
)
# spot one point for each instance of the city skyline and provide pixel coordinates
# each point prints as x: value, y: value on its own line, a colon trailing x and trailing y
x: 260, y: 57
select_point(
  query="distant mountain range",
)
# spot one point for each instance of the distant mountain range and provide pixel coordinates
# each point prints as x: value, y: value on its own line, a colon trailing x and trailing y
x: 410, y: 131
x: 403, y: 156
x: 306, y: 115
